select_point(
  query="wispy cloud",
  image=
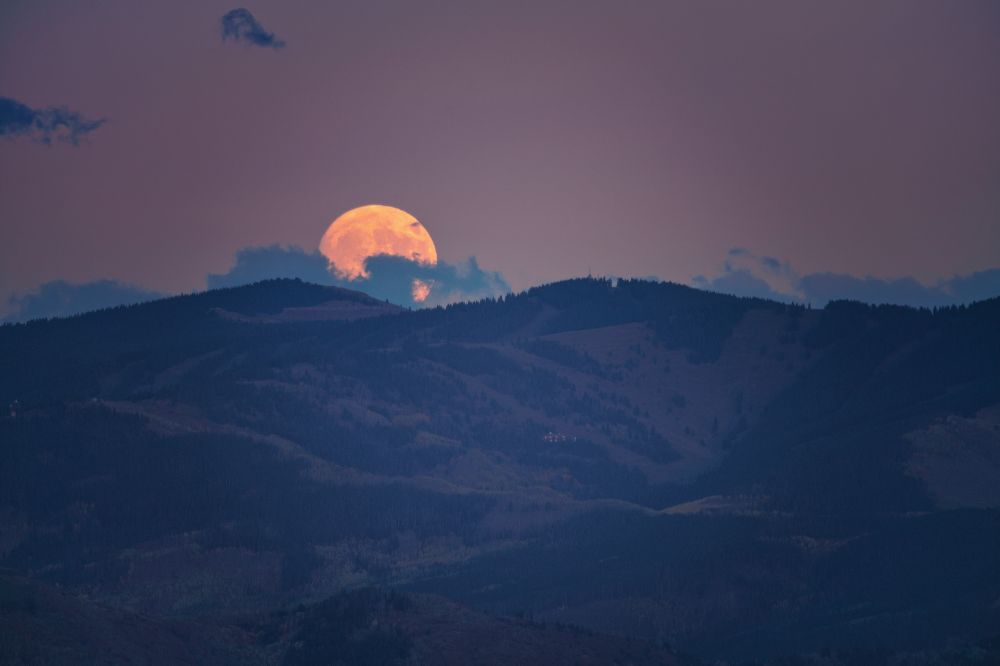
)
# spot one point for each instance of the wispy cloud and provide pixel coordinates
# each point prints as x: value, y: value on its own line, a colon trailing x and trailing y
x: 64, y: 299
x: 54, y: 123
x: 740, y: 282
x: 744, y: 273
x: 241, y: 26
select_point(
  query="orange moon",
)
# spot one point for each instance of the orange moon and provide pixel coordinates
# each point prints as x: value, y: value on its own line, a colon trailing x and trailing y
x: 368, y: 231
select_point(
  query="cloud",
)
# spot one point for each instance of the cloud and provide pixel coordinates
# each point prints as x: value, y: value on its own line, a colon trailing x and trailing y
x: 826, y: 287
x: 44, y: 125
x: 395, y: 279
x: 241, y: 26
x: 391, y: 278
x: 254, y: 264
x: 739, y: 282
x: 400, y: 280
x: 976, y: 286
x: 771, y: 263
x: 745, y: 274
x: 63, y: 299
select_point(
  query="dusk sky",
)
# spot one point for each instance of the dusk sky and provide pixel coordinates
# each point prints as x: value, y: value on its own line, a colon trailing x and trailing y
x: 545, y: 139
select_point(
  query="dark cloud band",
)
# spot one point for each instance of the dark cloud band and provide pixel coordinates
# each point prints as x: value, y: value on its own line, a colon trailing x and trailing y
x: 389, y: 277
x: 241, y: 26
x: 254, y: 264
x: 746, y: 274
x: 55, y: 123
x: 65, y: 299
x: 392, y: 278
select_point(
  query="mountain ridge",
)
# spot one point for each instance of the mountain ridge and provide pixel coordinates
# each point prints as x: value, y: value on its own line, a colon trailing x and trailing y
x: 634, y: 457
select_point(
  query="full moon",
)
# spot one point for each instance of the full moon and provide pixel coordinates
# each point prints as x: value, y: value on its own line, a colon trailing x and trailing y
x: 368, y: 231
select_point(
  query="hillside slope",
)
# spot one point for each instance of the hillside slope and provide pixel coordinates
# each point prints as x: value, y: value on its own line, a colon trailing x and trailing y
x: 42, y: 626
x: 732, y: 475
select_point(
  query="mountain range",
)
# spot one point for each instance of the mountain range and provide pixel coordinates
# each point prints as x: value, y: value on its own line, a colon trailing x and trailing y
x: 592, y: 471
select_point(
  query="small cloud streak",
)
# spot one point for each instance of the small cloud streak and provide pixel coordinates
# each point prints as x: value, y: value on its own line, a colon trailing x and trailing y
x: 65, y: 299
x: 241, y: 26
x: 746, y: 274
x: 55, y: 123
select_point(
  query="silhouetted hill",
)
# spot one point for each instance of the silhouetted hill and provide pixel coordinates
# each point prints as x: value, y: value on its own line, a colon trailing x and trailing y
x: 735, y: 476
x: 40, y: 625
x: 366, y: 627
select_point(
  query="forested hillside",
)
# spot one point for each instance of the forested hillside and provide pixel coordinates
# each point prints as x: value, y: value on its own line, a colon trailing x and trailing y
x: 733, y: 477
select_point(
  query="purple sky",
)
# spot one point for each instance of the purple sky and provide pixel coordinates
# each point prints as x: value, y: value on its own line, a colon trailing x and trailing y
x: 548, y: 139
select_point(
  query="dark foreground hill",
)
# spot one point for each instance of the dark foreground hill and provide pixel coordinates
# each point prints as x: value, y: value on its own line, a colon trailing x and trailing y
x: 364, y: 627
x: 735, y: 477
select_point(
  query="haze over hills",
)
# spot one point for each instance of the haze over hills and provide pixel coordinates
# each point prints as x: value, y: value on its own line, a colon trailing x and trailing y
x: 735, y: 477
